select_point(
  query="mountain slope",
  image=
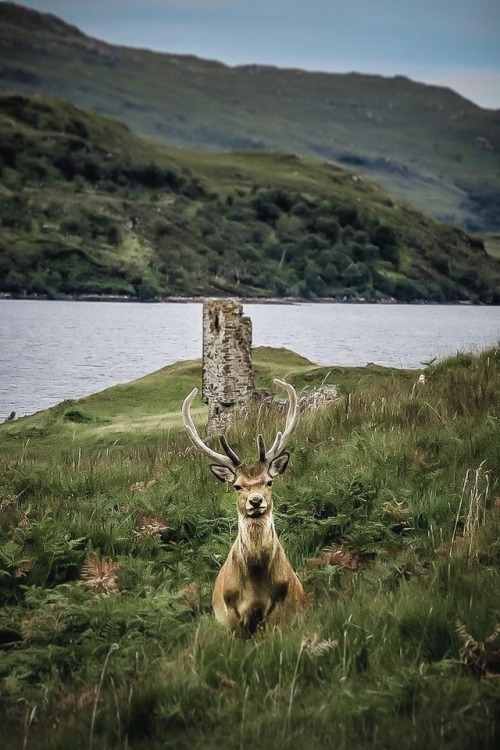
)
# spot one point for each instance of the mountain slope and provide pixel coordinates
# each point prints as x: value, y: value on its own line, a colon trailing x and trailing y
x: 87, y: 207
x: 423, y: 143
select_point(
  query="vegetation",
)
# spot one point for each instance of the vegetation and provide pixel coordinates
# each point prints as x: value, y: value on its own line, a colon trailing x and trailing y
x: 112, y: 535
x: 87, y: 208
x: 425, y: 144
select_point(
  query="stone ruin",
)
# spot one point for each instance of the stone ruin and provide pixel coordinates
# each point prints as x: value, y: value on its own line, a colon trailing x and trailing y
x: 227, y: 376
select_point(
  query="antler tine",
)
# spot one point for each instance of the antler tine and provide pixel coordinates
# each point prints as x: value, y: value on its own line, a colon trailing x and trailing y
x: 271, y: 453
x: 219, y: 458
x: 262, y: 448
x: 227, y: 449
x: 292, y: 419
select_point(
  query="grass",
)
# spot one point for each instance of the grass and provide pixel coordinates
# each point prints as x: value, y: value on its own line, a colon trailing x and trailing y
x: 111, y: 541
x: 492, y: 244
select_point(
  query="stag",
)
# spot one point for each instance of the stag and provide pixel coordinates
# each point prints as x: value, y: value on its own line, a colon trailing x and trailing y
x: 256, y: 587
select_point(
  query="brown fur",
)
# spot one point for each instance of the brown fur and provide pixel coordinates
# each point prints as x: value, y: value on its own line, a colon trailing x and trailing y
x: 256, y: 587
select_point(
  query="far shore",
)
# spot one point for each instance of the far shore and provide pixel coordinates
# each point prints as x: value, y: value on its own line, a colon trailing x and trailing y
x: 243, y: 300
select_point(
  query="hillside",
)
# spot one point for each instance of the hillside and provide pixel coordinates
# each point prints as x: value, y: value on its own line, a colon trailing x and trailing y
x: 112, y: 533
x: 423, y: 143
x: 88, y: 208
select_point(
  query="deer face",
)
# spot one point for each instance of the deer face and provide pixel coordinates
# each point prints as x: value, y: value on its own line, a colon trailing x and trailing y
x: 253, y: 484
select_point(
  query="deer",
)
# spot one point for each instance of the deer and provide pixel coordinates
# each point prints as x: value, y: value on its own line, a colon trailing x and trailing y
x: 256, y: 588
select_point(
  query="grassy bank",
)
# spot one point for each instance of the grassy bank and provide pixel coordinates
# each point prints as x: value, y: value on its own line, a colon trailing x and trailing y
x: 113, y: 532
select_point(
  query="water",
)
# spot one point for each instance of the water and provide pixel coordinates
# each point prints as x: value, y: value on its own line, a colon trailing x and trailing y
x: 52, y: 351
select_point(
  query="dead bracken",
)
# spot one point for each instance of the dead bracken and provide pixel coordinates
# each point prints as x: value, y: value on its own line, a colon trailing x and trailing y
x: 99, y: 574
x: 315, y: 647
x: 482, y: 658
x: 142, y: 486
x: 341, y: 557
x: 149, y: 526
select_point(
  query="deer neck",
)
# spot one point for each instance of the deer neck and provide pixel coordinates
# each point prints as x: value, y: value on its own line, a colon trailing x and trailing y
x: 256, y: 539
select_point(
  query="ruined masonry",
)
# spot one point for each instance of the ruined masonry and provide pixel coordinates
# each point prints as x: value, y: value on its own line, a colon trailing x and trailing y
x: 228, y: 384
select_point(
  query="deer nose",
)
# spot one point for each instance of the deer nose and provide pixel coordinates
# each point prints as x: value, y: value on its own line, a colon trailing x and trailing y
x: 255, y: 500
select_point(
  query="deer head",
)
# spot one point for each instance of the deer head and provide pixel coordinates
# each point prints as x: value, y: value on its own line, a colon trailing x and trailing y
x: 252, y: 483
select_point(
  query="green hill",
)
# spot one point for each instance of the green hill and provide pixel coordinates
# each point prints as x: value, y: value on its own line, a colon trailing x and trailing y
x: 88, y: 208
x: 425, y: 144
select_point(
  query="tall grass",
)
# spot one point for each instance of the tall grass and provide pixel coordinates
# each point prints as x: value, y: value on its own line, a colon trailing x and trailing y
x: 398, y: 482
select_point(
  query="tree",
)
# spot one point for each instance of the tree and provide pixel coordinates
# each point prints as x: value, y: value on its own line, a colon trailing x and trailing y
x: 357, y: 275
x: 385, y: 238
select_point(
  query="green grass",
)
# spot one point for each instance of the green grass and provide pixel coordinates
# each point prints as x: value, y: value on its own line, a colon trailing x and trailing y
x: 492, y: 243
x: 402, y: 476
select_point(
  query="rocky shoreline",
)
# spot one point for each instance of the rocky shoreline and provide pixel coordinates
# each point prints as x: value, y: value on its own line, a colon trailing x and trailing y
x: 244, y: 300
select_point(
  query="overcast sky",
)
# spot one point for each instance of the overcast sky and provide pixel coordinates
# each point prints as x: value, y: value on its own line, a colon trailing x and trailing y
x: 454, y: 43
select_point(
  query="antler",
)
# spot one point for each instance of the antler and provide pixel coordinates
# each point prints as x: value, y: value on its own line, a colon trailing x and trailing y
x: 230, y: 460
x: 292, y: 419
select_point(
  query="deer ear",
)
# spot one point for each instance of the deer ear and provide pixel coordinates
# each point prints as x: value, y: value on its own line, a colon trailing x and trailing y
x: 278, y: 465
x: 222, y: 473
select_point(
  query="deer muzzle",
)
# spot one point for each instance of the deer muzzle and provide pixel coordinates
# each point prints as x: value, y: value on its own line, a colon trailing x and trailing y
x: 256, y: 504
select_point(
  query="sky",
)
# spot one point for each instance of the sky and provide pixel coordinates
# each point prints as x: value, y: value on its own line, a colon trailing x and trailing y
x: 453, y: 43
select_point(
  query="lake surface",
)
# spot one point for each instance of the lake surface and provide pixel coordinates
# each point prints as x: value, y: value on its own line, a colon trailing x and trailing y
x: 52, y: 351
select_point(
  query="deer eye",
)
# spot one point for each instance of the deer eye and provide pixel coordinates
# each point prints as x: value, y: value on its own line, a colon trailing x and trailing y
x: 237, y: 486
x: 269, y: 483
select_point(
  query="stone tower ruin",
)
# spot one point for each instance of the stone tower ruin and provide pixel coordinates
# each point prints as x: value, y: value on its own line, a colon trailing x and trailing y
x: 228, y: 383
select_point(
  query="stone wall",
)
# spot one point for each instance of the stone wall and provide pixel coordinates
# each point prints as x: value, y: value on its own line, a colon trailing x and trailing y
x: 228, y: 383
